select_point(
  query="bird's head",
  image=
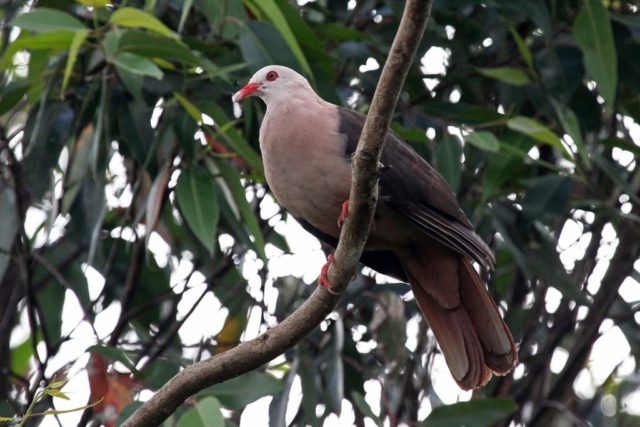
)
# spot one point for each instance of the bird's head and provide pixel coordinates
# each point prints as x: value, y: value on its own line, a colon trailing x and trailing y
x: 271, y: 83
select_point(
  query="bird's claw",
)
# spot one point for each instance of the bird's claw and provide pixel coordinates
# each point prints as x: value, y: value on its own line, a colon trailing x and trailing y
x: 343, y: 213
x: 323, y: 279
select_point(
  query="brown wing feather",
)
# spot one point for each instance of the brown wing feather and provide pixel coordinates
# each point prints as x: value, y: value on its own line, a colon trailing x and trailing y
x: 411, y: 186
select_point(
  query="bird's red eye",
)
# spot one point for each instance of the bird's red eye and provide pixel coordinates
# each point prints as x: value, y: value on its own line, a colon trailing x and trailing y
x: 271, y: 76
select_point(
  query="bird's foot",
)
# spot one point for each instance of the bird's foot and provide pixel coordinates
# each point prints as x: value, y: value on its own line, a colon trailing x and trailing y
x: 343, y: 213
x: 323, y: 279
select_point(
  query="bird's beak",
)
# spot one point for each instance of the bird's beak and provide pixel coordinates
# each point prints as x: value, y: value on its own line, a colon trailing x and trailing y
x: 248, y: 90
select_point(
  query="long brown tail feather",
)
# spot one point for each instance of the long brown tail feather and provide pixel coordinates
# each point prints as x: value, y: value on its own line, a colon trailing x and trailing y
x: 473, y: 337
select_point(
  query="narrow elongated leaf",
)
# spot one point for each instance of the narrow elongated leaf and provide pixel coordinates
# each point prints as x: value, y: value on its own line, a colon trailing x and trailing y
x: 54, y: 40
x: 509, y: 75
x: 78, y: 39
x: 137, y: 65
x: 593, y: 34
x: 448, y: 160
x: 154, y: 200
x: 136, y: 18
x: 153, y: 45
x: 44, y: 19
x: 191, y: 109
x: 261, y: 44
x: 484, y: 140
x: 206, y: 413
x: 537, y: 131
x: 571, y: 125
x: 232, y: 180
x: 196, y: 197
x: 273, y: 12
x: 525, y: 52
x: 8, y: 225
x: 476, y: 413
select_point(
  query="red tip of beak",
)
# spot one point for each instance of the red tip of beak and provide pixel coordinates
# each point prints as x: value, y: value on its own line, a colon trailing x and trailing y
x: 248, y: 90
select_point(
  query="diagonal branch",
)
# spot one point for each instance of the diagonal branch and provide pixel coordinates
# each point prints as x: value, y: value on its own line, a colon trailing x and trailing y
x: 252, y: 354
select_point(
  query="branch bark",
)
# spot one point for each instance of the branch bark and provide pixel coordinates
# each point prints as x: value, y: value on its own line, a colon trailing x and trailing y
x: 252, y: 354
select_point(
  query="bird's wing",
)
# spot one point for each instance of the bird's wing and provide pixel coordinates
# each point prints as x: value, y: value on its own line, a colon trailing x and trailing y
x: 414, y: 188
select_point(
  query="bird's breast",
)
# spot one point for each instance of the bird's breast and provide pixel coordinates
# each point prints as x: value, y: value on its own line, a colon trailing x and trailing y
x: 305, y: 164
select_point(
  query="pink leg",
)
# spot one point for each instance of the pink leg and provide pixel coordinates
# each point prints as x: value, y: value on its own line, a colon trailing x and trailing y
x: 344, y: 213
x: 323, y: 279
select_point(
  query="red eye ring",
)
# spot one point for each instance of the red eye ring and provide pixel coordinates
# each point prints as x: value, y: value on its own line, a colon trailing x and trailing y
x: 271, y: 76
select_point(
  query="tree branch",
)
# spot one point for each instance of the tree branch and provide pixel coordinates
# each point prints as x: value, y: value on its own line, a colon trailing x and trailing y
x: 252, y: 354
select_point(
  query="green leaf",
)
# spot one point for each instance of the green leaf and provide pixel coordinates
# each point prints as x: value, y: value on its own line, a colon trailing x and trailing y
x: 363, y: 406
x: 94, y: 3
x: 232, y: 180
x: 54, y: 40
x: 571, y: 125
x: 8, y: 225
x: 594, y: 36
x: 158, y: 373
x: 240, y: 391
x: 21, y: 357
x: 449, y: 160
x: 261, y: 44
x: 136, y: 18
x: 525, y: 52
x: 114, y: 354
x: 537, y: 131
x: 475, y: 413
x: 206, y: 413
x: 44, y: 19
x: 229, y: 135
x: 196, y: 197
x: 484, y: 140
x: 137, y: 65
x: 186, y: 7
x: 275, y: 15
x: 56, y: 393
x: 78, y: 39
x: 11, y: 94
x: 152, y: 45
x: 191, y: 109
x: 509, y: 75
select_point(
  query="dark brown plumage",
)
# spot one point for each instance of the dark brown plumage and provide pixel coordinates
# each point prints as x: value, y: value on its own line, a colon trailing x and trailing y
x: 420, y: 234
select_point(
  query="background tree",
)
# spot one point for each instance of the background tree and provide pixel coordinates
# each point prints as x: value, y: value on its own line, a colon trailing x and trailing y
x: 131, y: 192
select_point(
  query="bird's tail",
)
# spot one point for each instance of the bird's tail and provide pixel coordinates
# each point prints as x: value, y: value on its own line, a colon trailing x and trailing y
x: 474, y: 339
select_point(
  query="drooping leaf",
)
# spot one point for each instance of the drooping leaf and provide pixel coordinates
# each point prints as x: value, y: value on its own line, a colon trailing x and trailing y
x: 196, y: 197
x: 78, y: 39
x: 275, y: 15
x: 261, y: 44
x: 593, y: 34
x: 232, y: 180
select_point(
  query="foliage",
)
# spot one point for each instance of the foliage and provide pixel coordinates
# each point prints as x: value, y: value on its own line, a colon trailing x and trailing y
x: 130, y: 185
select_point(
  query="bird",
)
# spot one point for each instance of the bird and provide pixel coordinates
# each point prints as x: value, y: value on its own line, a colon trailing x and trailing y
x: 420, y: 235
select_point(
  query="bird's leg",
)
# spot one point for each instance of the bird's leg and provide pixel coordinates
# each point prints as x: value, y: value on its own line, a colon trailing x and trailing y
x: 323, y: 279
x: 343, y: 213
